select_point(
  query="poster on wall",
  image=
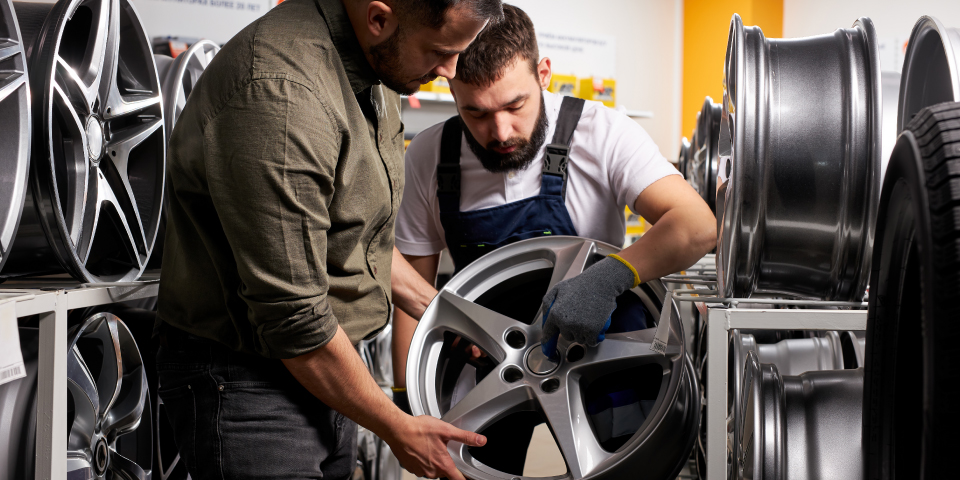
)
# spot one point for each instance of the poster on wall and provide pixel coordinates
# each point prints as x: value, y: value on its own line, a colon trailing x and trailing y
x: 217, y: 20
x: 580, y: 54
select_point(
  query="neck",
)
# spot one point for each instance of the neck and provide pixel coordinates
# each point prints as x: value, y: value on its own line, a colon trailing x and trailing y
x: 357, y: 12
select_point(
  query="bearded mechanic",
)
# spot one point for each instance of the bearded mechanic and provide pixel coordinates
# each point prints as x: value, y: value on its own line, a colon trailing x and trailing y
x: 487, y: 178
x: 285, y: 172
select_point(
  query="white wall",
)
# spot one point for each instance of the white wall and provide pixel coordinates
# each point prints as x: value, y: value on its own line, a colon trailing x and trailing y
x: 894, y: 19
x: 648, y: 37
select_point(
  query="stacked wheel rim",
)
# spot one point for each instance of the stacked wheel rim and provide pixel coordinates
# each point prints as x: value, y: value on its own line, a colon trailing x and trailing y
x: 14, y: 127
x: 97, y: 171
x: 513, y: 280
x: 107, y: 437
x: 801, y: 193
x: 181, y: 76
x: 706, y: 151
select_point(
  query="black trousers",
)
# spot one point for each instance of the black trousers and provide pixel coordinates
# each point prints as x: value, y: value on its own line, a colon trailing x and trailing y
x: 239, y: 416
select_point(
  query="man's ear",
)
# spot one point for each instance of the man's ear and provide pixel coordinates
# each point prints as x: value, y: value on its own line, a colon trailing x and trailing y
x: 381, y: 20
x: 544, y: 72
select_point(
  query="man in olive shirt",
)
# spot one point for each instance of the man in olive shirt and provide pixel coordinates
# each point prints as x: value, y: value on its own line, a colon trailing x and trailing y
x: 285, y: 174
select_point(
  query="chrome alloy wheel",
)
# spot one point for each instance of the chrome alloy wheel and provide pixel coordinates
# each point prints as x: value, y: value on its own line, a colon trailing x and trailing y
x: 179, y: 75
x: 108, y: 393
x: 97, y: 171
x: 802, y: 169
x: 931, y: 69
x: 800, y: 427
x: 14, y: 127
x: 494, y: 303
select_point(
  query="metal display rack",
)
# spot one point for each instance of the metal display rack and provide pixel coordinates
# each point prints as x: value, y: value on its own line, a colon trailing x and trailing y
x: 52, y: 298
x: 720, y: 320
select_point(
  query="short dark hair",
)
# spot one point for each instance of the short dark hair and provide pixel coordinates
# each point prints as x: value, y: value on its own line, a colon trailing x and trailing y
x: 498, y: 47
x: 431, y: 12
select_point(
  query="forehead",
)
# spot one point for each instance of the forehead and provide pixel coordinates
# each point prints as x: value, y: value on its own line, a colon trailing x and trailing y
x: 518, y: 79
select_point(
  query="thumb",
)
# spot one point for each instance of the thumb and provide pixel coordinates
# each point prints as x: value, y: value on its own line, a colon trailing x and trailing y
x: 470, y: 439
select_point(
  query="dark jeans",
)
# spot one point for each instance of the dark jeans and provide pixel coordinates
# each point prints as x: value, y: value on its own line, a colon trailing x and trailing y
x: 239, y: 416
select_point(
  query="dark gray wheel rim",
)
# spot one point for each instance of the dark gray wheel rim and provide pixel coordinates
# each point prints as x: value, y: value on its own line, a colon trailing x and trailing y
x: 14, y: 127
x: 98, y: 138
x: 931, y: 69
x: 668, y: 432
x: 802, y: 191
x: 706, y: 152
x: 182, y: 76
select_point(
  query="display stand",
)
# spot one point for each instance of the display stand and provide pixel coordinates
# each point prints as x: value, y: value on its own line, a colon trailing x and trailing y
x: 720, y: 320
x: 52, y: 298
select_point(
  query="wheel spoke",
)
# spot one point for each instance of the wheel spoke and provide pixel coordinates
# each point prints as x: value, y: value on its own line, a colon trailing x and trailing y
x: 626, y: 348
x: 9, y: 48
x: 108, y: 195
x: 78, y: 467
x: 125, y: 468
x: 120, y: 105
x: 108, y: 41
x: 571, y: 261
x: 488, y: 401
x: 478, y: 324
x: 126, y: 413
x: 118, y: 150
x: 77, y: 167
x: 86, y: 402
x: 567, y: 419
x: 111, y: 371
x: 91, y: 216
x: 74, y: 87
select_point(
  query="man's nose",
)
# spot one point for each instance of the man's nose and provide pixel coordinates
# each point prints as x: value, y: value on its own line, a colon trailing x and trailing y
x: 447, y: 68
x: 501, y: 128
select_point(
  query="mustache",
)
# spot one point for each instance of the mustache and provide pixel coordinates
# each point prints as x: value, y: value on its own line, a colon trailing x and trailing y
x: 513, y: 142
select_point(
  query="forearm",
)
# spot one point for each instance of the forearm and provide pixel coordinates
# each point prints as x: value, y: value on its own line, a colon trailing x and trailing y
x: 678, y: 240
x: 403, y: 327
x: 336, y: 375
x: 411, y: 292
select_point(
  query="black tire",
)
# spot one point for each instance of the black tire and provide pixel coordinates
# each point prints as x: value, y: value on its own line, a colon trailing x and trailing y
x: 913, y: 337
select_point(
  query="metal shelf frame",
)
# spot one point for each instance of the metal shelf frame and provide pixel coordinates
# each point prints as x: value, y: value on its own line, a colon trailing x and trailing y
x: 720, y: 321
x: 52, y: 299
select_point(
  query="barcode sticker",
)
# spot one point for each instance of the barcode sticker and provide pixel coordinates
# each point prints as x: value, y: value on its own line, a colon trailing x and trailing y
x: 11, y: 358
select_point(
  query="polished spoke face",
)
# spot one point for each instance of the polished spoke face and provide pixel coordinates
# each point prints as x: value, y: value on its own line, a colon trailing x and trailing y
x: 106, y: 403
x: 106, y: 141
x: 14, y: 127
x: 516, y: 379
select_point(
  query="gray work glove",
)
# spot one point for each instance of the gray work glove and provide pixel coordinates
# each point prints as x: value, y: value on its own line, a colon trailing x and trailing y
x: 579, y: 308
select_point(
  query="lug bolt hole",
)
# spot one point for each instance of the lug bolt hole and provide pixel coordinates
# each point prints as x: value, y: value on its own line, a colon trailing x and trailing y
x: 550, y: 385
x: 575, y: 353
x: 516, y: 339
x: 512, y: 374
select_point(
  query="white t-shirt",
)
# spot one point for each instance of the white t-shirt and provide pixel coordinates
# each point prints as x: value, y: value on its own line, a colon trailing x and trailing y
x: 611, y: 160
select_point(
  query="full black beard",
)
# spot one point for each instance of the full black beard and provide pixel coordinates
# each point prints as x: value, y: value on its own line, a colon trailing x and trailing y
x: 388, y: 67
x: 518, y: 159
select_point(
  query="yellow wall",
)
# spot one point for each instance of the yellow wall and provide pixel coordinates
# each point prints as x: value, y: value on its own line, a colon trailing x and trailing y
x: 706, y: 25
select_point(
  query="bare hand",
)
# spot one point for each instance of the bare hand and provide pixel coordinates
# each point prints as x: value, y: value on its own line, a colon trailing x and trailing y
x: 421, y: 446
x: 475, y: 352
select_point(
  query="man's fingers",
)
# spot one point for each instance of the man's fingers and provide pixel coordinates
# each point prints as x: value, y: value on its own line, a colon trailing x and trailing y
x: 451, y: 472
x: 467, y: 438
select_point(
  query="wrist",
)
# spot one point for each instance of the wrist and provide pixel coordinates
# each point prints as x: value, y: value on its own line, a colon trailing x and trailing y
x: 634, y: 275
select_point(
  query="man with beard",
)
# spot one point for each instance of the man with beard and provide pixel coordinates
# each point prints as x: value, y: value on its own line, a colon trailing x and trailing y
x: 485, y: 179
x: 285, y: 175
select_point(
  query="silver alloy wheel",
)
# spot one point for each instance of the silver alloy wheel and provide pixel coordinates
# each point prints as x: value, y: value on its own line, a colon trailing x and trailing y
x: 98, y: 152
x: 683, y: 159
x: 109, y: 404
x: 523, y: 272
x: 181, y: 75
x: 14, y: 127
x: 798, y: 427
x: 791, y: 357
x: 705, y: 152
x: 803, y: 119
x: 931, y: 69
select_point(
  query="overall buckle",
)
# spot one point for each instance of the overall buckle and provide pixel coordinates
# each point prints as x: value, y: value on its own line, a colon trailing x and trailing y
x: 555, y: 162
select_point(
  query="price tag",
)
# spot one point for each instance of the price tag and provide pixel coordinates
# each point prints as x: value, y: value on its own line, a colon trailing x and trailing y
x: 11, y: 358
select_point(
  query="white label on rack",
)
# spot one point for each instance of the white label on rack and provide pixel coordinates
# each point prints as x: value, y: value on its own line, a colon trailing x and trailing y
x: 11, y: 358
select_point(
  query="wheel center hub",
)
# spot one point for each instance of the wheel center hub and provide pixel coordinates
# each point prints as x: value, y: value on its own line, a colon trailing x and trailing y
x: 101, y: 457
x: 94, y: 137
x: 539, y: 363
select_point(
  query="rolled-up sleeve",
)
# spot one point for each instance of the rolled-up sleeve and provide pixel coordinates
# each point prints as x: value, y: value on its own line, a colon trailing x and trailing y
x: 272, y: 154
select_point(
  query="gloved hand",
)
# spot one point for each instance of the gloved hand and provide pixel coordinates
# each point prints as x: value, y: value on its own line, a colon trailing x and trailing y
x: 580, y: 308
x: 400, y: 399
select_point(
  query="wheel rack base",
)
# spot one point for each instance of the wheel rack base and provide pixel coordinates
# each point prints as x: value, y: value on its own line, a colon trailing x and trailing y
x: 52, y: 300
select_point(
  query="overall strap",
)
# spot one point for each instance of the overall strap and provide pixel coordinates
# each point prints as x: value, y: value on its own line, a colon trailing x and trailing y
x: 448, y: 170
x: 555, y: 162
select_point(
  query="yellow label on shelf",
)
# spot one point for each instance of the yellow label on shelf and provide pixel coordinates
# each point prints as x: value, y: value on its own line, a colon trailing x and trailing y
x: 564, y: 85
x: 438, y: 85
x: 602, y: 90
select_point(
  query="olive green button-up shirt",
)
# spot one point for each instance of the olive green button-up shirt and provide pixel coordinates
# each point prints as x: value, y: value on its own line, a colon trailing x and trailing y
x: 284, y: 173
